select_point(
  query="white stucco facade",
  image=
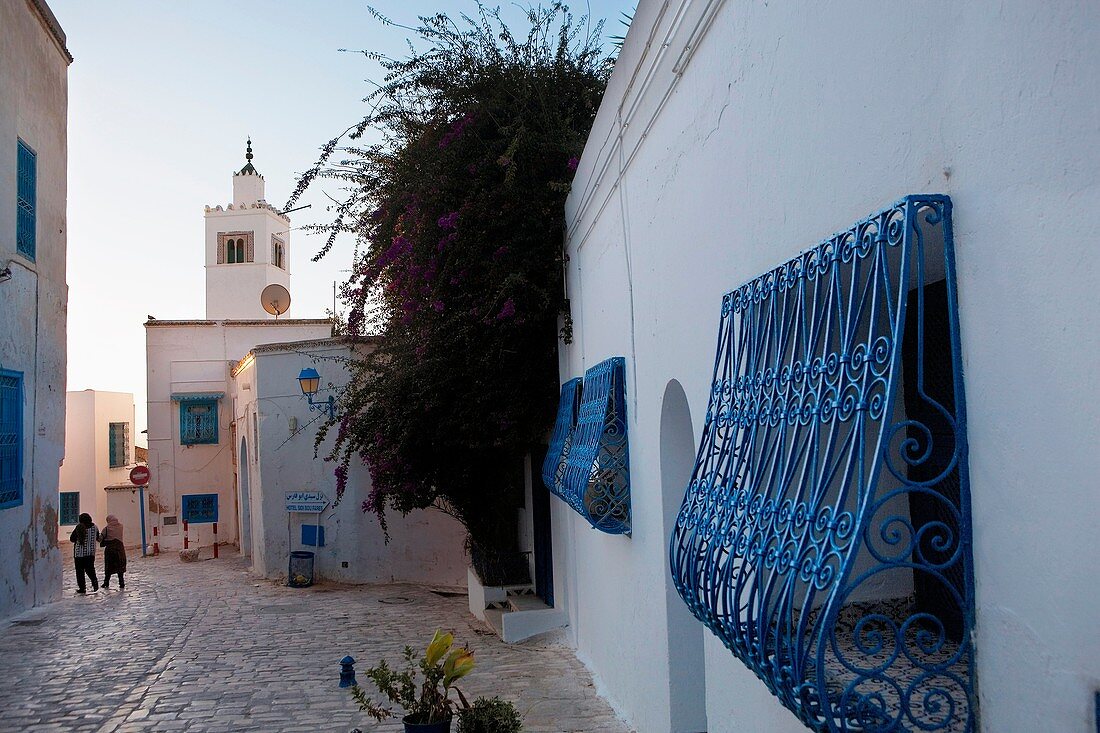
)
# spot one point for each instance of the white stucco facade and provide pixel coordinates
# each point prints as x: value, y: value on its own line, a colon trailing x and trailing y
x: 732, y: 136
x: 195, y: 357
x: 87, y: 469
x: 33, y: 294
x: 275, y: 455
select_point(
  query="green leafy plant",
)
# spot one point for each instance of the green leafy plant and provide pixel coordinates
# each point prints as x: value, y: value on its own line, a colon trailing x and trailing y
x: 458, y: 216
x: 490, y: 715
x: 427, y: 700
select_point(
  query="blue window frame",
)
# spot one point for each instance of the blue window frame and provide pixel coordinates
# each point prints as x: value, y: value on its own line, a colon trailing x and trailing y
x: 11, y: 438
x: 118, y: 438
x: 198, y: 417
x: 825, y: 534
x: 561, y: 439
x: 596, y: 480
x: 70, y: 507
x: 26, y: 200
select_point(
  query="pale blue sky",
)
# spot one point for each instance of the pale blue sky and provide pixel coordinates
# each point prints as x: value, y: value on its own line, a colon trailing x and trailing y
x: 161, y: 97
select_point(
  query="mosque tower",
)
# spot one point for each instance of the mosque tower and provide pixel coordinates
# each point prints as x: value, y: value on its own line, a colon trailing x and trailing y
x: 247, y: 249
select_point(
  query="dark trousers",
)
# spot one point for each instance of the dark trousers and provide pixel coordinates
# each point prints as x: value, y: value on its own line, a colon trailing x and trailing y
x: 85, y: 566
x: 107, y: 579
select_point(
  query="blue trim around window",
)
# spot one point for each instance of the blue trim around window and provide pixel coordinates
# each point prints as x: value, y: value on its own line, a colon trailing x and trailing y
x: 596, y: 481
x: 199, y: 421
x: 11, y: 438
x: 825, y: 535
x: 26, y: 214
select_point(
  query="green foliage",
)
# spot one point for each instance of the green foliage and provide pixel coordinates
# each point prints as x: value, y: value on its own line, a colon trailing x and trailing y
x: 490, y: 715
x: 459, y: 218
x: 439, y: 668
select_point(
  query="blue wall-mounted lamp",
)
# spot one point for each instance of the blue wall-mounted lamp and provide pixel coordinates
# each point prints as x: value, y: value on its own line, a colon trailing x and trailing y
x: 310, y: 381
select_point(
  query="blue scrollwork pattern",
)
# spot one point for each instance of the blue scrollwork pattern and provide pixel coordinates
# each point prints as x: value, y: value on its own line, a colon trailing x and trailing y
x: 825, y: 534
x: 596, y: 480
x: 561, y: 438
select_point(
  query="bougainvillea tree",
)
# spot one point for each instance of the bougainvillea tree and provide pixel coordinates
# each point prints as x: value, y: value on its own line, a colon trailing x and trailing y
x: 458, y: 213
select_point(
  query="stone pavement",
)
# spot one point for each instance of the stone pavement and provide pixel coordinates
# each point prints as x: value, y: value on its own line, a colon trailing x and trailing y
x: 206, y: 647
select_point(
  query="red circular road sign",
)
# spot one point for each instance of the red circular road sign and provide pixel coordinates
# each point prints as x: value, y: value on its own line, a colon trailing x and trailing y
x: 139, y: 475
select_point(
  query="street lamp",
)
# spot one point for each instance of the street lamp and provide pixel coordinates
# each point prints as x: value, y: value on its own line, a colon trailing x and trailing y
x: 310, y: 382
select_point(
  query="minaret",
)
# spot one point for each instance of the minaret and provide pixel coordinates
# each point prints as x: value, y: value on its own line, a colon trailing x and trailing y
x: 247, y: 249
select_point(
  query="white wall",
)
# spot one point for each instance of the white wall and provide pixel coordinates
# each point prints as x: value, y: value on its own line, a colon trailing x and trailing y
x: 233, y: 290
x: 424, y: 547
x: 758, y: 131
x: 87, y: 466
x: 33, y: 107
x: 196, y: 356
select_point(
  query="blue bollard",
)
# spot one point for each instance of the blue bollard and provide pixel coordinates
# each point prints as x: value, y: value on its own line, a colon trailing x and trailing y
x: 347, y: 672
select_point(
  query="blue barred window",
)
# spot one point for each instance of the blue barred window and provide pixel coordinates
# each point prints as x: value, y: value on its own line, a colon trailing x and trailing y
x: 70, y: 507
x: 596, y: 480
x: 26, y: 200
x: 11, y: 438
x: 561, y: 439
x: 198, y: 417
x: 118, y: 444
x: 825, y: 534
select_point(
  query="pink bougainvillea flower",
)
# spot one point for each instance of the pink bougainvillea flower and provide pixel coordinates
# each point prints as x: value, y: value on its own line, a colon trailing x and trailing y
x: 507, y: 310
x: 573, y: 163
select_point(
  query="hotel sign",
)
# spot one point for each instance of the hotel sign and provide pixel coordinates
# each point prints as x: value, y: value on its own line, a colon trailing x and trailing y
x: 312, y: 502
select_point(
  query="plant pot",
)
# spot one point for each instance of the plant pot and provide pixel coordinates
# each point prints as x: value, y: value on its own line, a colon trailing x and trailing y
x: 440, y: 727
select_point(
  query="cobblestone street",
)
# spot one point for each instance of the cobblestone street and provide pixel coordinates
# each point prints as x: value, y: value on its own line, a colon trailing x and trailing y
x: 206, y: 647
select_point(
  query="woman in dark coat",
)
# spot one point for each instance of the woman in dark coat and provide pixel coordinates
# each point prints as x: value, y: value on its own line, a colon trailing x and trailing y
x: 114, y: 553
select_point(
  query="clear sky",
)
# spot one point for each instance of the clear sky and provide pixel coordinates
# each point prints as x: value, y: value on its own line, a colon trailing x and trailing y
x: 162, y: 95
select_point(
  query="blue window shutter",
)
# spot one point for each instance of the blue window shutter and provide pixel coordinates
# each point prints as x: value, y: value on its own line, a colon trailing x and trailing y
x: 198, y: 421
x: 70, y: 507
x: 26, y: 202
x: 11, y: 439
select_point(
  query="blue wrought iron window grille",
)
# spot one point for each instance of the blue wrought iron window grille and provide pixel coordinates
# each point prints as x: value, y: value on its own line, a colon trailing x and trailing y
x: 825, y: 534
x: 11, y: 438
x: 596, y: 477
x: 198, y: 418
x: 70, y: 508
x: 26, y: 200
x: 118, y: 438
x: 561, y: 438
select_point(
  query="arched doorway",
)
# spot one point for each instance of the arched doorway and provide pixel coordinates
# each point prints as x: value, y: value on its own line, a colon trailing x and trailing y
x: 244, y: 500
x: 687, y: 669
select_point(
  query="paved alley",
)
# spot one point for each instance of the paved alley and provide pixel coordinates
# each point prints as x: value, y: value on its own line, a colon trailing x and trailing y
x: 206, y: 647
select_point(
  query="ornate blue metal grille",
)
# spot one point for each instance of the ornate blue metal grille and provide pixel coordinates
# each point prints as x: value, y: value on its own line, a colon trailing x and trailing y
x: 26, y: 201
x: 70, y: 507
x: 596, y: 481
x: 198, y: 418
x: 561, y: 439
x: 825, y: 534
x: 11, y: 439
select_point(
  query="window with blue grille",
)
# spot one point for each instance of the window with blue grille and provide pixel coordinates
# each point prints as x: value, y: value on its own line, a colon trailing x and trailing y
x: 596, y: 476
x: 11, y: 438
x: 825, y: 534
x: 198, y: 418
x: 561, y: 439
x: 118, y: 440
x: 70, y: 507
x: 26, y: 200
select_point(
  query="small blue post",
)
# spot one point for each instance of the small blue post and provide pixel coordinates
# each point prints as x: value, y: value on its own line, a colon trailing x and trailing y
x: 347, y: 672
x: 141, y: 504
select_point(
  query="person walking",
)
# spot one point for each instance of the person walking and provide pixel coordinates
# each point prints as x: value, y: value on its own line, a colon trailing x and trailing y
x: 84, y: 538
x: 114, y: 552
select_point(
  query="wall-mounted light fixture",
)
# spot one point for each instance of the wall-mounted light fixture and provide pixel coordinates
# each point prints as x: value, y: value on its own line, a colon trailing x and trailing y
x: 310, y: 382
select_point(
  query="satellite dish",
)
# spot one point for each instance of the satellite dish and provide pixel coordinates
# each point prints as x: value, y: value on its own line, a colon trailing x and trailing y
x: 275, y: 299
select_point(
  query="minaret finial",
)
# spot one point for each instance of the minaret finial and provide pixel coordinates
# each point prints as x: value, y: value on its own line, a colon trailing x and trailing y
x: 249, y: 169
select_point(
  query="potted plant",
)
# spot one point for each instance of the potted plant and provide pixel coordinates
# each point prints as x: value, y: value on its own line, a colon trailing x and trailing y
x: 427, y: 703
x: 490, y: 715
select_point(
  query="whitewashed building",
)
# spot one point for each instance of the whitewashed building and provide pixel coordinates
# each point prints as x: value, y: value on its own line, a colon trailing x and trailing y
x: 192, y: 432
x: 231, y: 431
x: 34, y: 65
x: 99, y: 453
x: 275, y: 457
x: 734, y: 140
